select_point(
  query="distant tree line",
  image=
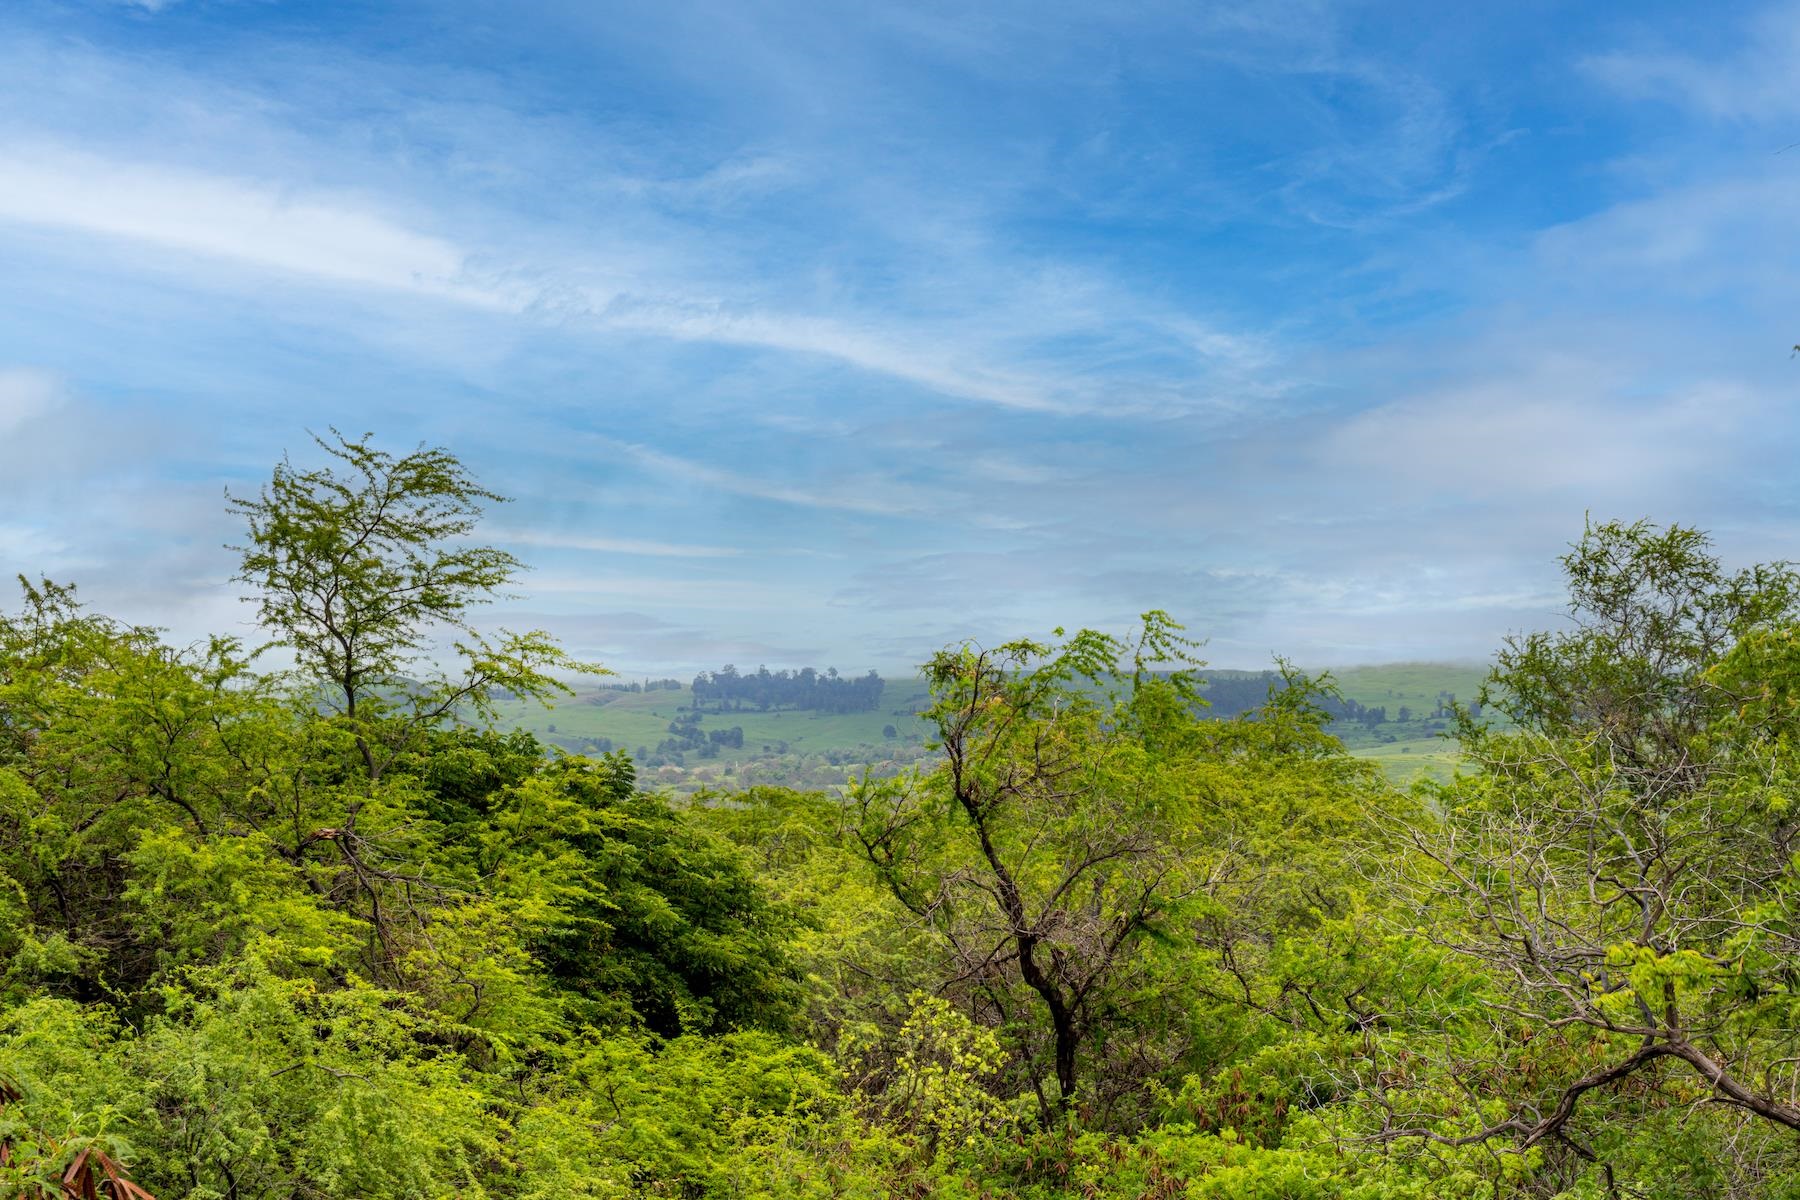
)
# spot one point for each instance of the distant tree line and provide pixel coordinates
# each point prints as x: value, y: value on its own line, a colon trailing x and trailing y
x: 1232, y: 694
x: 807, y: 688
x: 648, y: 685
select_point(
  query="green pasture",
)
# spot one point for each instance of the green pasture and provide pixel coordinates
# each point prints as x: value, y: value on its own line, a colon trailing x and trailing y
x: 633, y: 719
x: 1434, y: 758
x: 1415, y: 685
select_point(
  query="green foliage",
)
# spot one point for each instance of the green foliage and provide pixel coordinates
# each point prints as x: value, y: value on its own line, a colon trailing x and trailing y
x: 653, y: 917
x: 361, y: 568
x: 305, y: 935
x: 1091, y: 847
x: 1621, y: 869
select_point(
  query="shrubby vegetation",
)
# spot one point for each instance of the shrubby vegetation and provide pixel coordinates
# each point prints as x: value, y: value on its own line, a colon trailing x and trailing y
x: 320, y: 932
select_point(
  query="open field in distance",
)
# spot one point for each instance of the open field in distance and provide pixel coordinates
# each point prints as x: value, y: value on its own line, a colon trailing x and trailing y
x: 816, y: 749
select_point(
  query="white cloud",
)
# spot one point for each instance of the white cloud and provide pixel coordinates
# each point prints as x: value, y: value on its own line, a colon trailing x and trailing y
x: 252, y: 223
x: 339, y: 240
x: 865, y: 494
x: 28, y: 548
x: 1517, y: 437
x: 674, y: 596
x: 828, y: 338
x: 605, y: 545
x: 1003, y: 469
x: 1755, y: 84
x: 24, y: 396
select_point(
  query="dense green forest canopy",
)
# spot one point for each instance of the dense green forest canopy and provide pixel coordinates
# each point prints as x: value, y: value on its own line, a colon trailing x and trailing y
x: 1098, y: 945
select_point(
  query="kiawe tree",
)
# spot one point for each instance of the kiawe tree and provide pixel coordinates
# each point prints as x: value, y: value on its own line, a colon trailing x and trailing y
x: 1048, y: 843
x: 1105, y: 876
x: 1621, y: 861
x: 367, y: 573
x: 362, y: 567
x: 311, y: 935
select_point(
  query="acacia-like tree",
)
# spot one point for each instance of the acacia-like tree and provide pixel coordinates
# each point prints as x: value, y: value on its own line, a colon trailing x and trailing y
x: 362, y: 568
x: 1050, y: 839
x: 1621, y: 861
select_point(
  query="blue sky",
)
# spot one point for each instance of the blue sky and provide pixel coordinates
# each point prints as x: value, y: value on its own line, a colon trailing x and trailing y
x: 828, y: 334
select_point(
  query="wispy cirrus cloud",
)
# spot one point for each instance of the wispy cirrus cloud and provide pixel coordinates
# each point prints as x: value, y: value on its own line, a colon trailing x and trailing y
x: 259, y: 225
x: 1753, y: 82
x: 872, y: 496
x: 607, y: 545
x: 348, y: 241
x: 860, y: 334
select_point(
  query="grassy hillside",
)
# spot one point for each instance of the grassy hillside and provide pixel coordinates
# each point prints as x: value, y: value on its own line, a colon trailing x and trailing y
x: 825, y: 749
x: 1418, y: 758
x: 1415, y: 685
x: 801, y: 749
x: 1418, y: 749
x: 632, y: 719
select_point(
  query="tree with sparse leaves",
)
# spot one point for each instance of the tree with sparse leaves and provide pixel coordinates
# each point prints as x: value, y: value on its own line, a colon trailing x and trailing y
x: 1053, y: 839
x: 1621, y: 864
x: 362, y: 565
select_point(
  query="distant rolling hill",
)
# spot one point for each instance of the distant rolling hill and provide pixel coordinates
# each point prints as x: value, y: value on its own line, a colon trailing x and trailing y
x: 812, y: 749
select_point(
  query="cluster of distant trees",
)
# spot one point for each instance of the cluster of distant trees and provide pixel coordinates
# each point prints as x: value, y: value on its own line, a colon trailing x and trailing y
x: 1233, y: 695
x: 806, y: 688
x: 647, y: 685
x: 685, y: 736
